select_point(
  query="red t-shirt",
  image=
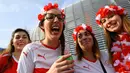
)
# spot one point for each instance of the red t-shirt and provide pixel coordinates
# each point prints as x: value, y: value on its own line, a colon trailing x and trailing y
x: 4, y: 61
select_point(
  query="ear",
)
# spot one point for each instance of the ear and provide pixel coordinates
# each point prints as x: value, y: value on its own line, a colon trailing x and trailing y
x: 42, y: 26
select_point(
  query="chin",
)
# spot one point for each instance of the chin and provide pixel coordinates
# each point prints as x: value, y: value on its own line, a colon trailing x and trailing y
x: 20, y: 48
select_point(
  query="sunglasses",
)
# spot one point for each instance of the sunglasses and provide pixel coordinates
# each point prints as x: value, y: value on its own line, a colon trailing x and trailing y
x: 50, y: 16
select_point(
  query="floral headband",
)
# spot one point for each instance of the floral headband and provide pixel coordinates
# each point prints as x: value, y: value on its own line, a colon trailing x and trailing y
x: 108, y: 10
x: 47, y: 8
x: 81, y: 27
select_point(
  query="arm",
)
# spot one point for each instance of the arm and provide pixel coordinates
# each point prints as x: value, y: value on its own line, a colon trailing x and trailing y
x: 25, y: 64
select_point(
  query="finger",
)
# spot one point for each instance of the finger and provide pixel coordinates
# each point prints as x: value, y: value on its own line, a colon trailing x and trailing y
x: 64, y: 57
x: 66, y: 67
x: 69, y: 71
x: 65, y: 62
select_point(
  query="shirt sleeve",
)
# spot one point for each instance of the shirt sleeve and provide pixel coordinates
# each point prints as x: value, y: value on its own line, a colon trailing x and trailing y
x: 25, y: 64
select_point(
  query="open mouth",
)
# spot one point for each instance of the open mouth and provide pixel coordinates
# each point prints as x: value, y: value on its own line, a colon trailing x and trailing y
x: 55, y: 29
x: 85, y: 41
x: 21, y: 43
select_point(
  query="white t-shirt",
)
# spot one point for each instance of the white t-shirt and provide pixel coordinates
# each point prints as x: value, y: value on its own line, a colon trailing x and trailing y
x: 85, y: 66
x: 38, y: 58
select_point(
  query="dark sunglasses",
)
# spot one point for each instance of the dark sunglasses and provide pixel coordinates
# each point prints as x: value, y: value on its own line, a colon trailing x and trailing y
x: 50, y: 16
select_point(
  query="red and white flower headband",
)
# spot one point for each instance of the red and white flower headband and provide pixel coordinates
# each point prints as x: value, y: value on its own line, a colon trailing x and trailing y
x: 47, y: 8
x: 108, y: 10
x: 81, y: 27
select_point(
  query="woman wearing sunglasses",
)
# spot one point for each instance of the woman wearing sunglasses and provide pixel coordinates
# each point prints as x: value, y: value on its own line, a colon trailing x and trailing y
x: 42, y: 56
x: 89, y: 58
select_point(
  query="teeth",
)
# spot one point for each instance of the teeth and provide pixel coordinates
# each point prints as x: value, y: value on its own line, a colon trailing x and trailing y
x: 55, y: 27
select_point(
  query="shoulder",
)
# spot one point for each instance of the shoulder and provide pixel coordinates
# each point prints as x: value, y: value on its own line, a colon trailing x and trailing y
x: 4, y: 57
x: 104, y: 55
x: 32, y: 46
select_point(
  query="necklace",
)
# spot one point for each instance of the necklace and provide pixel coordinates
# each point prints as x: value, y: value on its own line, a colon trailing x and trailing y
x: 121, y: 54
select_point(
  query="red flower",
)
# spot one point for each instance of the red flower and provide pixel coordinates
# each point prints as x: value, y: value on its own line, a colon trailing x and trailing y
x: 125, y: 37
x: 116, y: 56
x: 55, y: 5
x: 128, y: 64
x: 120, y: 68
x: 40, y: 17
x: 80, y: 27
x: 50, y: 6
x: 111, y: 9
x: 74, y: 37
x: 89, y: 28
x: 46, y: 8
x: 126, y: 50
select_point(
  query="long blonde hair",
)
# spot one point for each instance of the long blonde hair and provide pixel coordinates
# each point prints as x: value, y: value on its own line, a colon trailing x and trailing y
x: 108, y: 36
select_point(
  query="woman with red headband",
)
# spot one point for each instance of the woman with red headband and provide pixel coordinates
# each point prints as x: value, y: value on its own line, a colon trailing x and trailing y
x: 89, y: 58
x: 42, y: 56
x: 113, y: 19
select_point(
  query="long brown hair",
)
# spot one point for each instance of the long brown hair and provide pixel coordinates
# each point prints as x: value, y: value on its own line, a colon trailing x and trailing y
x: 95, y: 49
x: 11, y: 49
x: 62, y: 37
x: 110, y: 35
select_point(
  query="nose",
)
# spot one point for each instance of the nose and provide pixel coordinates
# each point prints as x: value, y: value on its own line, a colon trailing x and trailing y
x: 20, y: 38
x: 83, y: 36
x: 56, y: 19
x: 108, y: 24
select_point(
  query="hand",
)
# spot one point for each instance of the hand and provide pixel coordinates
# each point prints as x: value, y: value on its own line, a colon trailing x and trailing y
x: 62, y: 65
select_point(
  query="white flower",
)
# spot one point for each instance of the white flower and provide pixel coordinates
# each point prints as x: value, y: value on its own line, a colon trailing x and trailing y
x: 116, y: 62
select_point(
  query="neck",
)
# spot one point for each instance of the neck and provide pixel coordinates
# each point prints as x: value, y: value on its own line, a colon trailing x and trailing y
x: 17, y: 54
x: 89, y: 55
x: 120, y: 31
x: 51, y: 43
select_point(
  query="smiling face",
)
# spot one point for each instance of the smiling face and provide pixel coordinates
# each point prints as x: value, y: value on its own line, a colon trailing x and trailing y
x: 20, y: 40
x: 85, y: 40
x: 112, y: 23
x: 53, y: 24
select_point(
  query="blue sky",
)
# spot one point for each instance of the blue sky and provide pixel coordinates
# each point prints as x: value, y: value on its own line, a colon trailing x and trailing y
x: 21, y: 14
